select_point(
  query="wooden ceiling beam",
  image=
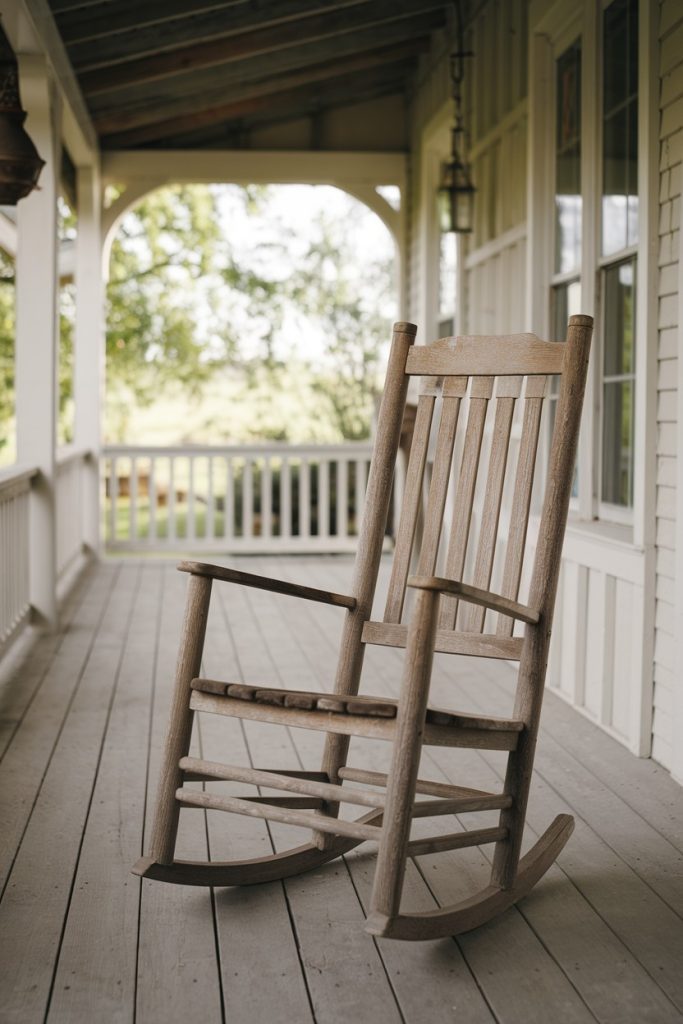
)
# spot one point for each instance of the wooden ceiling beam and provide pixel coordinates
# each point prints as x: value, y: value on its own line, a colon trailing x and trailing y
x: 246, y: 44
x: 131, y: 29
x: 293, y: 105
x: 250, y: 99
x: 173, y: 97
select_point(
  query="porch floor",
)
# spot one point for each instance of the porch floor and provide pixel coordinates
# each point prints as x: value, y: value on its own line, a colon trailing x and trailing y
x: 83, y: 714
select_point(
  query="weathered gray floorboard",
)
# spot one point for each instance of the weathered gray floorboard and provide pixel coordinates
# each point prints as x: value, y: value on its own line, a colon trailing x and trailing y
x: 37, y: 896
x: 453, y: 877
x: 582, y: 950
x: 177, y: 972
x: 24, y: 667
x: 429, y: 979
x: 27, y: 757
x: 344, y: 972
x: 596, y: 940
x: 95, y: 978
x: 262, y: 974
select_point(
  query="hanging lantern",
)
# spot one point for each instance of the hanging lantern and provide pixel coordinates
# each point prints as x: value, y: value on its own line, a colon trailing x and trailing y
x: 455, y: 197
x: 20, y: 165
x: 456, y: 194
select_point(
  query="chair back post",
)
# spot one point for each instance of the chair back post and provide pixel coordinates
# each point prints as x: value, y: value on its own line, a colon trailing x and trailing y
x: 543, y: 589
x: 371, y: 533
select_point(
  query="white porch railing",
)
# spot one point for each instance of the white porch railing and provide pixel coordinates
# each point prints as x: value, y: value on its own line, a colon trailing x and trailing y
x: 239, y: 498
x: 15, y: 491
x: 70, y: 502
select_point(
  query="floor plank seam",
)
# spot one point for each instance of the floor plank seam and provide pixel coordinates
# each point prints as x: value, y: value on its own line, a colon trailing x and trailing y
x: 538, y: 772
x: 212, y: 894
x: 253, y: 600
x: 145, y: 797
x: 53, y: 652
x: 618, y: 796
x: 382, y: 959
x: 285, y: 894
x: 67, y: 711
x: 112, y: 696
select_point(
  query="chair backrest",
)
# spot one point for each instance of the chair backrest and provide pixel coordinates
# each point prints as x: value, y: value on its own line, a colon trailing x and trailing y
x: 480, y: 382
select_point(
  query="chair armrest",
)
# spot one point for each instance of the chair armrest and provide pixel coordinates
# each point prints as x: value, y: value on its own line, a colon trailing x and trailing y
x: 477, y: 596
x: 249, y: 579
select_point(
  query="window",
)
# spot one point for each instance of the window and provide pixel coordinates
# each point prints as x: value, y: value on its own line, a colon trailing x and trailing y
x: 618, y: 237
x: 566, y: 282
x: 595, y: 238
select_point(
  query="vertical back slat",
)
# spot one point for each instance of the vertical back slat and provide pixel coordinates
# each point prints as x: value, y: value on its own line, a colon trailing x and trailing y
x: 480, y: 395
x: 507, y: 391
x: 411, y: 500
x: 454, y: 389
x: 521, y: 500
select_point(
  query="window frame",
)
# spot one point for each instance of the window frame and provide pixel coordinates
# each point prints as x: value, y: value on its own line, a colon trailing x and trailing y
x: 552, y: 32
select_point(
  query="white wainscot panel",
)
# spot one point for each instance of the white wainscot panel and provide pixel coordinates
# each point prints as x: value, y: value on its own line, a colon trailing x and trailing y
x: 597, y: 651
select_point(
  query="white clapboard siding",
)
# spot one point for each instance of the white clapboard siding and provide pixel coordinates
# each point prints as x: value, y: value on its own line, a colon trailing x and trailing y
x: 671, y: 152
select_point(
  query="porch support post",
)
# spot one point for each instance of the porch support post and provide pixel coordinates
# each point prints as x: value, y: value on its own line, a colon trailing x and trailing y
x: 37, y: 336
x: 89, y: 347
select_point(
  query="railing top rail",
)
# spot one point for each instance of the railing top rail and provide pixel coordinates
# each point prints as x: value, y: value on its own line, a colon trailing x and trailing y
x: 70, y: 453
x: 281, y: 448
x: 13, y: 475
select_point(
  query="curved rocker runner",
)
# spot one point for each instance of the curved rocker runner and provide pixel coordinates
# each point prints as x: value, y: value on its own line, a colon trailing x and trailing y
x: 477, y: 379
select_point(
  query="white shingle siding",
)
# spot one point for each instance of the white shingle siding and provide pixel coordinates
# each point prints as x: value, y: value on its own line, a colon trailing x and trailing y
x: 671, y: 157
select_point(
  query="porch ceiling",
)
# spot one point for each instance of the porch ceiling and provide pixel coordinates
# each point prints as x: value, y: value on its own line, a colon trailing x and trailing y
x: 192, y: 73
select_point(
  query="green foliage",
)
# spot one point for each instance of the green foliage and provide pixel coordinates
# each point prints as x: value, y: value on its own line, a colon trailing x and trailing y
x: 225, y: 320
x: 7, y: 332
x: 190, y: 311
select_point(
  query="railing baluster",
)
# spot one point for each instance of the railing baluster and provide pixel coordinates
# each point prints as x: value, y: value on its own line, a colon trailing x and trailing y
x: 360, y: 493
x: 266, y: 499
x: 170, y: 504
x: 248, y: 498
x: 285, y: 499
x: 342, y: 497
x: 229, y: 515
x: 304, y: 498
x: 210, y: 527
x: 323, y: 497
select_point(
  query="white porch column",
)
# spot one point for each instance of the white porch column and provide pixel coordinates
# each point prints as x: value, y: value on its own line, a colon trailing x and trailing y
x: 37, y: 335
x: 89, y: 346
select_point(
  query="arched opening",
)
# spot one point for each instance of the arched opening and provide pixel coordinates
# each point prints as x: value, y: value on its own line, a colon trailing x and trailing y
x: 243, y: 316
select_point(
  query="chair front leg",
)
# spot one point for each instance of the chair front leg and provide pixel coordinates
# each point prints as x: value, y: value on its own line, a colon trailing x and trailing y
x: 405, y: 761
x: 180, y: 724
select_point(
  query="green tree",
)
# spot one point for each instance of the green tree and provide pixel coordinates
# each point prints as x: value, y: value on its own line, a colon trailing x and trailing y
x: 7, y: 332
x: 162, y: 254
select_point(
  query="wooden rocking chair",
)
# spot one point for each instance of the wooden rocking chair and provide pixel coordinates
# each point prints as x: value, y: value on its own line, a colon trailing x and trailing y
x: 448, y: 616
